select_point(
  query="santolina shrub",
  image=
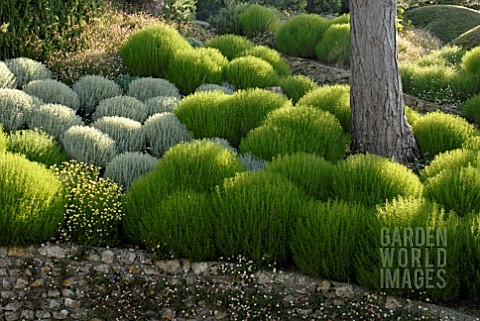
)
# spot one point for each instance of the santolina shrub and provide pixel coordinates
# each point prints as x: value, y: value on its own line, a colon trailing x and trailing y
x: 248, y: 72
x: 7, y: 78
x: 450, y: 160
x: 334, y: 47
x: 257, y: 19
x: 15, y: 108
x: 93, y: 89
x: 3, y: 140
x: 127, y: 134
x: 161, y: 104
x: 271, y: 56
x: 471, y: 109
x: 230, y: 45
x: 122, y: 106
x: 26, y: 70
x: 471, y: 61
x: 125, y: 168
x: 295, y: 87
x: 212, y: 87
x: 54, y: 119
x: 146, y: 88
x: 412, y: 115
x: 53, y: 92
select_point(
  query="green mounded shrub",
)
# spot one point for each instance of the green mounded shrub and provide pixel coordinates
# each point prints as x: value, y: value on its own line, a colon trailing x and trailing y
x: 369, y: 180
x: 450, y: 160
x: 299, y: 36
x: 334, y: 47
x: 470, y: 234
x: 471, y: 109
x: 230, y: 45
x: 161, y: 104
x: 122, y: 106
x: 15, y: 108
x: 297, y: 129
x: 465, y: 85
x: 129, y: 166
x: 188, y: 69
x: 3, y: 140
x: 7, y: 78
x: 53, y: 92
x: 227, y: 21
x: 37, y: 146
x: 257, y: 19
x: 213, y: 87
x: 251, y: 162
x: 127, y: 134
x: 295, y: 87
x: 146, y: 88
x: 146, y: 52
x: 469, y: 39
x: 342, y: 19
x: 412, y: 115
x: 471, y: 61
x: 322, y: 242
x: 446, y: 56
x: 32, y: 201
x: 438, y: 132
x: 222, y: 142
x: 163, y: 131
x: 54, y: 119
x: 472, y: 143
x: 93, y: 211
x: 255, y: 216
x: 271, y: 56
x: 26, y: 70
x: 311, y: 173
x: 249, y: 72
x: 91, y: 90
x: 332, y: 98
x: 89, y: 145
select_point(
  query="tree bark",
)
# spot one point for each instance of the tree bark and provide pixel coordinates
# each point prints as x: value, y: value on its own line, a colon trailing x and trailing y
x: 379, y: 124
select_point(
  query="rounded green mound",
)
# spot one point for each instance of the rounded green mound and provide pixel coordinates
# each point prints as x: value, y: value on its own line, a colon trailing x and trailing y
x: 249, y: 72
x: 230, y: 45
x: 471, y: 109
x: 449, y: 161
x: 271, y: 56
x: 295, y: 87
x: 53, y: 92
x: 212, y: 87
x: 469, y: 39
x: 93, y: 89
x: 125, y: 168
x: 26, y: 70
x: 412, y: 115
x: 122, y: 106
x: 472, y: 143
x: 334, y: 47
x: 32, y: 201
x: 15, y: 108
x: 54, y: 119
x: 297, y: 129
x: 471, y: 61
x: 257, y: 19
x: 127, y: 134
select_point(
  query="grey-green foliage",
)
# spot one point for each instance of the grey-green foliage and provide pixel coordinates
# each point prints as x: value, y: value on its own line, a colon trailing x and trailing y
x: 161, y: 104
x: 127, y: 167
x: 53, y: 92
x: 15, y: 108
x: 89, y: 145
x: 37, y: 102
x: 54, y: 119
x: 122, y: 106
x: 163, y: 131
x: 127, y: 133
x: 148, y: 87
x: 211, y: 87
x: 252, y: 162
x: 26, y: 70
x: 93, y: 89
x: 222, y: 142
x: 7, y: 78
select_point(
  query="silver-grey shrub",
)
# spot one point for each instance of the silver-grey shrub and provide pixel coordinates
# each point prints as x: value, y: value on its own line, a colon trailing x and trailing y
x: 53, y: 92
x: 145, y: 88
x: 91, y: 90
x: 161, y: 104
x: 54, y: 119
x: 122, y: 106
x: 7, y: 78
x: 211, y: 87
x: 127, y: 167
x: 89, y: 145
x: 26, y: 70
x: 163, y: 131
x: 222, y: 142
x: 15, y: 108
x: 127, y: 133
x: 252, y: 162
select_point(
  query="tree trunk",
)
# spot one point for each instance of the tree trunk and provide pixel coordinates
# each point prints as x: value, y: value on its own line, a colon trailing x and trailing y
x: 379, y: 123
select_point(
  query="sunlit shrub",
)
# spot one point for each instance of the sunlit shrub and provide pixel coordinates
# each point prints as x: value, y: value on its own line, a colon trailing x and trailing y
x: 450, y: 160
x: 54, y: 119
x: 229, y: 45
x: 93, y: 89
x: 471, y: 61
x: 295, y: 87
x: 471, y: 109
x: 7, y: 78
x: 161, y: 104
x: 26, y: 70
x: 412, y: 115
x: 122, y: 106
x: 271, y: 56
x: 125, y: 168
x: 53, y: 92
x: 213, y: 87
x: 127, y: 134
x: 249, y: 72
x: 256, y: 19
x: 334, y: 47
x: 15, y: 108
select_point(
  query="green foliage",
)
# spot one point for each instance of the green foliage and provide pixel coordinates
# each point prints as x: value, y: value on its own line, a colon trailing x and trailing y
x: 250, y: 72
x: 299, y: 36
x: 122, y: 106
x: 472, y: 143
x: 163, y: 131
x: 3, y: 140
x: 471, y: 109
x: 37, y: 146
x: 161, y: 104
x: 54, y: 119
x: 446, y: 56
x: 89, y: 145
x: 311, y: 173
x: 230, y: 45
x: 295, y: 87
x: 93, y: 210
x: 53, y: 92
x: 93, y: 89
x: 255, y: 216
x: 438, y: 132
x: 146, y: 88
x: 179, y: 10
x: 146, y: 52
x: 32, y: 201
x: 342, y: 19
x: 469, y: 39
x: 412, y: 115
x: 449, y: 161
x: 334, y: 47
x: 207, y: 8
x: 297, y: 129
x: 213, y: 87
x: 127, y: 134
x: 7, y: 78
x: 15, y: 108
x: 369, y: 180
x: 188, y: 69
x: 332, y: 98
x: 257, y: 19
x: 26, y: 70
x: 288, y: 5
x: 470, y: 234
x: 125, y: 168
x: 271, y: 56
x: 331, y: 7
x: 471, y: 61
x: 227, y: 21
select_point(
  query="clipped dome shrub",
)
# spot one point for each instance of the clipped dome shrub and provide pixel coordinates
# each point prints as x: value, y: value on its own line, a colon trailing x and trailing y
x: 334, y: 99
x: 146, y: 88
x: 161, y: 104
x: 470, y: 234
x: 295, y: 87
x: 127, y: 167
x: 213, y: 87
x: 127, y: 134
x: 412, y: 115
x: 163, y: 131
x: 54, y: 119
x: 15, y: 108
x: 26, y: 70
x: 32, y: 201
x: 93, y: 89
x: 334, y: 47
x: 471, y: 109
x: 471, y: 61
x: 438, y: 132
x: 89, y: 145
x: 255, y: 216
x: 122, y: 106
x: 297, y: 129
x: 472, y: 143
x: 370, y: 180
x: 249, y: 72
x: 37, y: 146
x: 299, y: 36
x: 222, y: 142
x: 450, y: 160
x: 229, y: 45
x: 53, y: 92
x: 188, y: 69
x: 146, y: 52
x: 3, y: 140
x: 271, y: 56
x: 7, y: 78
x: 257, y: 19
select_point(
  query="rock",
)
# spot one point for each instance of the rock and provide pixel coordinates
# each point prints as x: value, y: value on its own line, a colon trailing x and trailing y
x: 344, y: 291
x: 53, y: 294
x: 324, y: 286
x: 27, y: 314
x: 72, y: 304
x: 199, y: 268
x: 66, y: 293
x: 63, y: 314
x: 5, y: 263
x: 18, y: 252
x: 21, y: 284
x: 13, y: 306
x: 107, y: 257
x: 392, y: 304
x: 219, y: 315
x: 11, y: 316
x: 53, y: 304
x: 168, y: 314
x: 3, y: 252
x: 127, y: 257
x: 42, y: 314
x: 54, y: 251
x: 171, y: 266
